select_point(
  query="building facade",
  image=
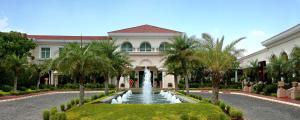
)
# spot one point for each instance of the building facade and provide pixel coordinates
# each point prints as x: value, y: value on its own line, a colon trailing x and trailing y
x: 281, y: 44
x: 143, y: 44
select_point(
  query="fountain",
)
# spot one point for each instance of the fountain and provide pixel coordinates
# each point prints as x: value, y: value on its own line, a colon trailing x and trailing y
x: 147, y: 87
x: 147, y: 97
x: 170, y: 97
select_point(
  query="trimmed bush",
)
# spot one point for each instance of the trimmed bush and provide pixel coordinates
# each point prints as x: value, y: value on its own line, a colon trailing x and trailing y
x: 258, y: 88
x: 297, y: 98
x: 22, y: 88
x: 95, y: 97
x: 228, y: 107
x: 69, y: 105
x: 62, y: 107
x: 269, y: 89
x: 206, y: 100
x: 76, y: 101
x: 53, y: 111
x: 6, y: 88
x: 111, y: 86
x: 72, y: 102
x: 71, y: 86
x: 222, y: 106
x: 234, y: 113
x: 46, y: 115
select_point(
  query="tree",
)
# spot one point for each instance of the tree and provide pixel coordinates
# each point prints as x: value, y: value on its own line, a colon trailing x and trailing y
x: 79, y: 62
x: 254, y: 68
x: 41, y: 69
x: 117, y: 61
x: 15, y: 43
x: 181, y: 50
x: 16, y: 64
x: 217, y: 58
x: 279, y: 67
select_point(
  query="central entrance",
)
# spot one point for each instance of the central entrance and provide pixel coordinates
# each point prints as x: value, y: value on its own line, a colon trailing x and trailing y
x: 141, y: 78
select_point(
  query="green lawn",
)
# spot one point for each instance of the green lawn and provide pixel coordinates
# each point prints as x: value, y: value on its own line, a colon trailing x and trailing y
x: 202, y: 111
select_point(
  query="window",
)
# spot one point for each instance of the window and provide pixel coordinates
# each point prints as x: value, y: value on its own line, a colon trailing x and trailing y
x: 126, y: 47
x: 163, y: 46
x: 45, y: 52
x: 145, y: 46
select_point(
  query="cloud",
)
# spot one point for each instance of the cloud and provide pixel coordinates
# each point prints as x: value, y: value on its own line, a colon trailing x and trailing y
x: 3, y: 23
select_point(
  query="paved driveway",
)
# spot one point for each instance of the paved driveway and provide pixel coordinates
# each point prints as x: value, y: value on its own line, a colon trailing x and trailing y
x: 31, y: 108
x: 257, y: 109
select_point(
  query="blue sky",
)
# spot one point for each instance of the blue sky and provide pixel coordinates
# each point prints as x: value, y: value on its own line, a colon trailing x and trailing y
x: 255, y: 19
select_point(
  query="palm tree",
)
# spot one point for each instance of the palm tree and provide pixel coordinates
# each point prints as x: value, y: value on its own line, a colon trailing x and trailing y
x: 41, y: 69
x: 254, y: 68
x: 217, y: 58
x: 79, y: 62
x: 181, y: 50
x: 279, y: 67
x: 16, y: 64
x: 117, y: 60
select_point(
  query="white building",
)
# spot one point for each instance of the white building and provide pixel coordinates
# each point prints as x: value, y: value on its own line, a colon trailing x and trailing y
x: 143, y: 44
x: 280, y: 44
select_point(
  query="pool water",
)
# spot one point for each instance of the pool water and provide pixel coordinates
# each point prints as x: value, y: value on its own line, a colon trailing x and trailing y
x: 137, y: 99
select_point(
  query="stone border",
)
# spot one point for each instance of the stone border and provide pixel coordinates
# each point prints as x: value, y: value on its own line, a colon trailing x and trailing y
x: 42, y: 94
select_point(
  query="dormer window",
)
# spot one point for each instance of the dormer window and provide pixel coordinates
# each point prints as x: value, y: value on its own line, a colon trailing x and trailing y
x: 145, y: 46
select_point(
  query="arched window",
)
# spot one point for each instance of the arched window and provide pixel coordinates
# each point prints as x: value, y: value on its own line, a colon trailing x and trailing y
x: 126, y: 47
x: 145, y: 46
x: 163, y: 46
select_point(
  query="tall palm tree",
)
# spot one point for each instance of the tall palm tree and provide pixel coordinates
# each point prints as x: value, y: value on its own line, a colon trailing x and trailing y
x: 217, y: 58
x: 181, y: 50
x: 279, y: 67
x: 79, y: 62
x: 16, y: 64
x: 41, y: 69
x: 117, y: 60
x: 254, y: 68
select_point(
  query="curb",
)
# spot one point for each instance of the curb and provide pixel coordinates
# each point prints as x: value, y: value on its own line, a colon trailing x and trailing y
x: 42, y: 94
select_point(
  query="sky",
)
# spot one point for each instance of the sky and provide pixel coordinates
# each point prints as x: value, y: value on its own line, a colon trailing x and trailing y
x: 257, y: 20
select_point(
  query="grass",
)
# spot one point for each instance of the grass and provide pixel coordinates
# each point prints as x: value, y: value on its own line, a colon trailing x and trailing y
x: 201, y: 111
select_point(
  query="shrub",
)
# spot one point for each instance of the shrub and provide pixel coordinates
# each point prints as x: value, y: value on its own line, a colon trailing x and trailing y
x: 62, y: 107
x: 77, y: 101
x: 234, y: 113
x: 69, y: 105
x: 91, y: 85
x: 222, y: 106
x: 46, y: 115
x: 297, y: 98
x: 22, y: 88
x: 206, y: 100
x: 258, y: 88
x: 59, y: 116
x: 95, y: 97
x: 270, y: 89
x: 71, y: 86
x: 101, y: 95
x: 6, y: 88
x: 72, y: 102
x: 274, y: 94
x: 111, y: 86
x: 53, y: 111
x: 228, y: 108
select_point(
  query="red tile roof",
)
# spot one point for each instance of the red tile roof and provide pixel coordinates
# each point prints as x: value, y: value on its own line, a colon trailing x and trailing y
x: 145, y: 29
x: 59, y: 37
